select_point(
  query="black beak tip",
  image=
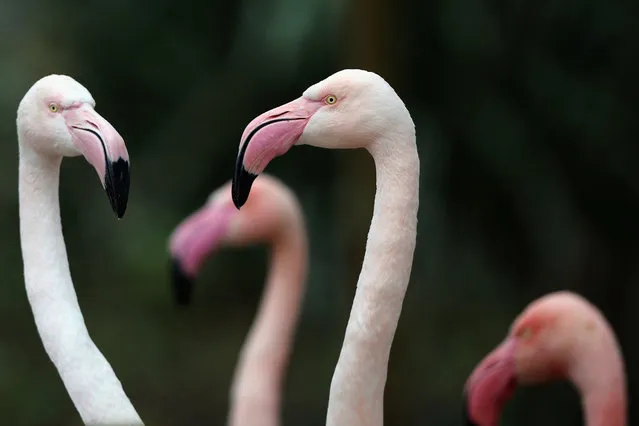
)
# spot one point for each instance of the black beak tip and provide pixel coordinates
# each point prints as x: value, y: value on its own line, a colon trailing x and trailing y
x: 182, y: 284
x: 116, y: 184
x: 241, y: 185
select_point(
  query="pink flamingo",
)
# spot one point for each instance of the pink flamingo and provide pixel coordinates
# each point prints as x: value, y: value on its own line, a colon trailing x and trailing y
x: 354, y: 109
x: 56, y: 119
x: 560, y: 335
x: 273, y: 215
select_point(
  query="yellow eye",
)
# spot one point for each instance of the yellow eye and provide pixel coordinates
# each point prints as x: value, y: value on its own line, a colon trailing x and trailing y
x: 53, y: 107
x: 330, y: 99
x: 525, y: 333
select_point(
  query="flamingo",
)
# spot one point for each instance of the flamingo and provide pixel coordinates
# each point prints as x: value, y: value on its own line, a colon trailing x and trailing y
x: 560, y: 335
x: 273, y: 215
x: 55, y: 119
x: 354, y: 109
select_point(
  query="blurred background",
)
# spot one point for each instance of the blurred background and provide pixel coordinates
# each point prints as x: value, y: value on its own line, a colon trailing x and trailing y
x: 526, y: 116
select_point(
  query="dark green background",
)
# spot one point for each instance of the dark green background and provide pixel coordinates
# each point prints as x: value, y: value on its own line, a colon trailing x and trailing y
x: 526, y: 115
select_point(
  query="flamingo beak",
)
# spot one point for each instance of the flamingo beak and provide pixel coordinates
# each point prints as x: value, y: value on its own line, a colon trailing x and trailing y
x: 104, y: 149
x: 490, y: 386
x: 192, y: 242
x: 268, y: 136
x: 181, y: 283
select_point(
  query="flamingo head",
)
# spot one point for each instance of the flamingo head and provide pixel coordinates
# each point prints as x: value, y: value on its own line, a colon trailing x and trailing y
x: 266, y: 217
x: 543, y: 345
x: 349, y: 109
x: 57, y: 118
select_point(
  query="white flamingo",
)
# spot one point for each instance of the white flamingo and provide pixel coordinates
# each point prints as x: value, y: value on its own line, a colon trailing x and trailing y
x: 56, y: 119
x: 354, y: 109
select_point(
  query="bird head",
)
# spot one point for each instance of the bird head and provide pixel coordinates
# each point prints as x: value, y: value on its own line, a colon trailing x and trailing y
x: 349, y: 109
x: 57, y: 118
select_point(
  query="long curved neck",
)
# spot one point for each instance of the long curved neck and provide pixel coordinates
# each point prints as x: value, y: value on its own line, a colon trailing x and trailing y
x: 256, y: 390
x: 87, y: 376
x: 357, y: 389
x: 601, y: 379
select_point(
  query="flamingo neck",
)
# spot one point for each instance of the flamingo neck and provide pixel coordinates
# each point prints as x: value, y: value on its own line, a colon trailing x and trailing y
x: 357, y: 388
x: 89, y: 379
x: 600, y: 378
x: 261, y: 367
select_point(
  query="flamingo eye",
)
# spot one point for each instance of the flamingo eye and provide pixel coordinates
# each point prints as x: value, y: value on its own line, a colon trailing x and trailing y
x: 330, y: 99
x: 53, y: 108
x: 525, y: 333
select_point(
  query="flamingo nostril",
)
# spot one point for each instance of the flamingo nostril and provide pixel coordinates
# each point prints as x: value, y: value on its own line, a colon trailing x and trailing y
x: 92, y: 124
x: 492, y: 363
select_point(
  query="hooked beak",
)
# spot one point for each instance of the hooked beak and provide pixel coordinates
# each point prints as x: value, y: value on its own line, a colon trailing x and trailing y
x: 104, y: 149
x: 192, y: 242
x: 490, y: 386
x: 181, y: 283
x: 266, y: 137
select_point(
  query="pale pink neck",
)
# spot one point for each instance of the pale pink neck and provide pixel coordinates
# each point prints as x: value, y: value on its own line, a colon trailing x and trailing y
x: 89, y: 379
x: 600, y: 377
x: 606, y: 408
x: 357, y: 389
x: 256, y: 391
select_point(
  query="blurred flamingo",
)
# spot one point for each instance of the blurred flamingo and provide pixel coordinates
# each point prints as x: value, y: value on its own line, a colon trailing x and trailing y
x: 561, y: 335
x: 56, y: 119
x: 354, y: 109
x: 272, y: 216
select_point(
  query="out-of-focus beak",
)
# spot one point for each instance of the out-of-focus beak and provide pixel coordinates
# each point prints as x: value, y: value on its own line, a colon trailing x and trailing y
x: 192, y: 242
x: 104, y: 149
x: 182, y: 284
x: 490, y: 386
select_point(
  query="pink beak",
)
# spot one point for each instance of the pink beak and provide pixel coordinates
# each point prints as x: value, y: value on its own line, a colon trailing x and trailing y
x: 193, y: 241
x: 266, y: 137
x: 490, y: 386
x: 104, y: 149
